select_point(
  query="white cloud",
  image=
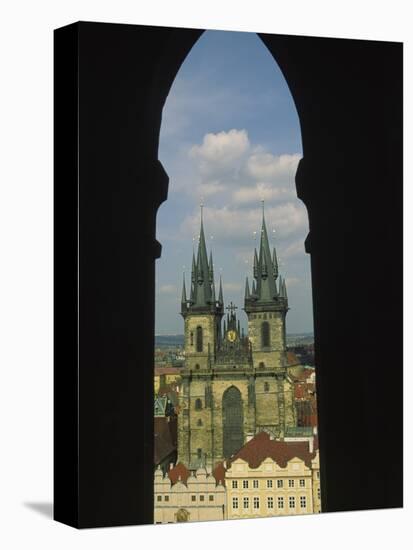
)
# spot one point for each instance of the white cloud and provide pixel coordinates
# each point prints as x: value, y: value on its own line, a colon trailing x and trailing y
x: 268, y: 167
x: 221, y: 151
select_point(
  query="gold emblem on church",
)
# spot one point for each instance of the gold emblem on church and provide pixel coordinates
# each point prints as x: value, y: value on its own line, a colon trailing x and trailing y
x: 231, y: 335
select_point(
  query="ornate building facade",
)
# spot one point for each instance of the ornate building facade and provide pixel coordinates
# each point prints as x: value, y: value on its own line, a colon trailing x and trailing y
x: 233, y: 385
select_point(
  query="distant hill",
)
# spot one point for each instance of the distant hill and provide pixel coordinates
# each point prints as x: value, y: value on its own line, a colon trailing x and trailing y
x: 177, y: 340
x: 169, y: 340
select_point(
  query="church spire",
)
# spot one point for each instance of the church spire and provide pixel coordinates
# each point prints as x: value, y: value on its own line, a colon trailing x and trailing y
x: 247, y: 289
x: 220, y: 297
x: 183, y: 299
x: 202, y: 294
x: 265, y: 271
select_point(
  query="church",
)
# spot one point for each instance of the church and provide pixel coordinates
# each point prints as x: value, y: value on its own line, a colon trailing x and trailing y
x: 233, y: 385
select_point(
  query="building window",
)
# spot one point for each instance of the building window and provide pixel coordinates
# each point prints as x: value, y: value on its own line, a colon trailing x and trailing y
x: 199, y: 339
x: 255, y: 483
x: 197, y: 366
x: 270, y: 502
x: 245, y: 484
x: 202, y: 498
x: 191, y: 336
x: 291, y: 502
x: 269, y: 483
x: 280, y: 502
x: 290, y: 483
x: 266, y: 386
x: 159, y: 498
x: 199, y: 453
x: 261, y: 365
x: 234, y: 503
x: 166, y: 498
x: 318, y: 474
x: 302, y: 482
x: 246, y: 502
x: 319, y: 493
x: 193, y: 498
x: 199, y: 423
x: 211, y: 498
x: 265, y: 334
x: 256, y: 503
x: 303, y: 502
x: 234, y: 484
x: 280, y: 483
x: 198, y: 404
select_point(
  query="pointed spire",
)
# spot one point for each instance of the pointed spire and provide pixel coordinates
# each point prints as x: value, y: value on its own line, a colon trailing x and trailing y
x: 280, y: 286
x: 274, y: 263
x: 221, y: 296
x: 255, y: 264
x: 193, y: 273
x: 213, y: 299
x: 285, y: 290
x: 247, y: 289
x: 183, y: 299
x: 211, y: 268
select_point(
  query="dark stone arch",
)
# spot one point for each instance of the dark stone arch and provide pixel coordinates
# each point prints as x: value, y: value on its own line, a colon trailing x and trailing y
x: 232, y: 421
x: 111, y: 82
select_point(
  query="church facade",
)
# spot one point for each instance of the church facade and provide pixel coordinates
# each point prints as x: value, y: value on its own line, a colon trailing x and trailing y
x: 233, y: 385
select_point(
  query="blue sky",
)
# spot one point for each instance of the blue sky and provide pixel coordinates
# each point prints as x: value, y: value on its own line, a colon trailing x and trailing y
x: 230, y: 136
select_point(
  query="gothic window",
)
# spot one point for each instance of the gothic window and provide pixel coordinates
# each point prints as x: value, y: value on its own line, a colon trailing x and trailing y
x: 198, y: 404
x: 261, y: 365
x: 233, y: 421
x: 266, y: 386
x: 265, y: 334
x: 199, y: 339
x: 199, y: 423
x: 191, y: 337
x: 197, y: 366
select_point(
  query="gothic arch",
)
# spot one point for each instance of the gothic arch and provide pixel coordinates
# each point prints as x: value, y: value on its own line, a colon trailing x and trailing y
x: 232, y: 421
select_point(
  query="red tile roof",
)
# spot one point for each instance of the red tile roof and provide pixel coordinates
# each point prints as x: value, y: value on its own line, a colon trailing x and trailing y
x: 219, y: 473
x: 261, y: 447
x: 292, y: 359
x: 179, y: 471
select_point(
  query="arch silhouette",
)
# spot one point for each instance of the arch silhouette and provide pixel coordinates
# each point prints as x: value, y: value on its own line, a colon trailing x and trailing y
x: 348, y: 96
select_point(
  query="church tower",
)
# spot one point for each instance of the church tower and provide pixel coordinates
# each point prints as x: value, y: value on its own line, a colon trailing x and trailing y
x: 266, y: 305
x: 202, y: 313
